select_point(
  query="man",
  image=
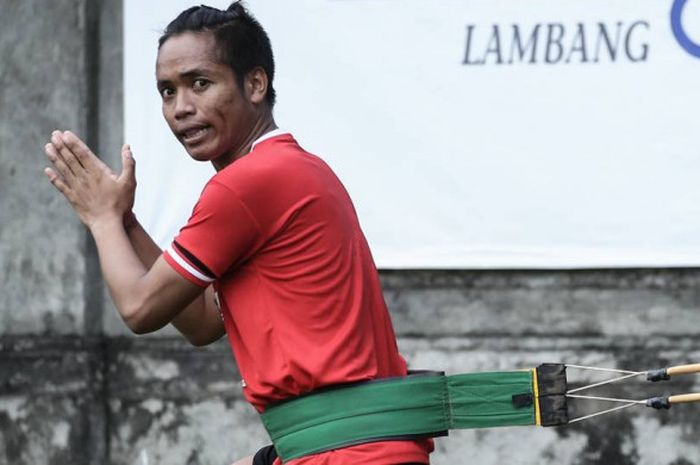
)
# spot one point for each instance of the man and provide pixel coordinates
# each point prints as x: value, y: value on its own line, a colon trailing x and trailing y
x: 274, y: 235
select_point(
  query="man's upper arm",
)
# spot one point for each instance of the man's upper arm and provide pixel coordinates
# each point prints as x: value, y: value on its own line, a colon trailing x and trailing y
x: 221, y: 234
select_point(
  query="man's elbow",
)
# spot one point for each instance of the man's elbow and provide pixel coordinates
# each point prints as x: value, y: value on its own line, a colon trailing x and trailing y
x: 139, y: 320
x: 202, y: 339
x: 136, y: 324
x: 199, y: 342
x: 139, y: 329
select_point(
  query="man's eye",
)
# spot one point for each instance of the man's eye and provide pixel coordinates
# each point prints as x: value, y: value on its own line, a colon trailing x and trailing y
x: 167, y: 92
x: 200, y: 84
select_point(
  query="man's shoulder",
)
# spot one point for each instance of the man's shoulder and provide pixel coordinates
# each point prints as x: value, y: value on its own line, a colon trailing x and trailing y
x: 279, y: 161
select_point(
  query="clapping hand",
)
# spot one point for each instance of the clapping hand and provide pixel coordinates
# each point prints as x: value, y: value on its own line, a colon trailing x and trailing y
x: 95, y: 192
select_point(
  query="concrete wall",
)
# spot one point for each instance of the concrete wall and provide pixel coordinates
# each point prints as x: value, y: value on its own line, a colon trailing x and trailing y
x: 49, y: 377
x: 76, y: 389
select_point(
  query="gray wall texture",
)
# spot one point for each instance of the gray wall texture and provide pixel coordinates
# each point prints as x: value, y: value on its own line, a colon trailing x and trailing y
x: 75, y: 388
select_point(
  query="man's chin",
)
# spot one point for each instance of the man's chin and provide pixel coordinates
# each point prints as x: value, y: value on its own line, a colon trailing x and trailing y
x: 198, y: 157
x: 199, y: 153
x: 218, y: 159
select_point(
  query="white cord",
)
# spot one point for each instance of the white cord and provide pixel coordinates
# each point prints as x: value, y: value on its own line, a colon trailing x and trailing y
x: 603, y: 412
x: 613, y: 370
x: 604, y: 382
x: 607, y: 399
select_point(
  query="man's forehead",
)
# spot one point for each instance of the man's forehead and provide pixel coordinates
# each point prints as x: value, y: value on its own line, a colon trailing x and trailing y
x: 184, y: 52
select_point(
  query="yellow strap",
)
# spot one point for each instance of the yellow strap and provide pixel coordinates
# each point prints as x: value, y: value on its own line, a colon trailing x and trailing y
x: 535, y: 390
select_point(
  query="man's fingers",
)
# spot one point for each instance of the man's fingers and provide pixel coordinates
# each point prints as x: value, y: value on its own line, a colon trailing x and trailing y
x: 57, y: 182
x: 57, y: 160
x: 82, y: 152
x: 68, y: 157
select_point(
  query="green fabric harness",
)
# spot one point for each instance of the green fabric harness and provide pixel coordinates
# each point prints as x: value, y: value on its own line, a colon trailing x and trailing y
x: 419, y: 405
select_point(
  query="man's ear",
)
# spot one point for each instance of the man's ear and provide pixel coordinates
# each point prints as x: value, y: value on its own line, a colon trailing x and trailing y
x: 256, y: 85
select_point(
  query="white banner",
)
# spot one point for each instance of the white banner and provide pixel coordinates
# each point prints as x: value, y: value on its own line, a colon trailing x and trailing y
x: 470, y: 133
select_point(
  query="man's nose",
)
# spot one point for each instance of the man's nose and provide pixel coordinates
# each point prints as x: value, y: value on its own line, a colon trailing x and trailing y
x: 183, y: 105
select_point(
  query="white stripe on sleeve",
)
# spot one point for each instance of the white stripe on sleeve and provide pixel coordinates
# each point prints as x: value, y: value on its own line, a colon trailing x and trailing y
x: 190, y: 269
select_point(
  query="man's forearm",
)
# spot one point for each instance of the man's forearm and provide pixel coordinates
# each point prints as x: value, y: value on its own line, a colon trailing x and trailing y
x: 201, y: 322
x: 122, y: 268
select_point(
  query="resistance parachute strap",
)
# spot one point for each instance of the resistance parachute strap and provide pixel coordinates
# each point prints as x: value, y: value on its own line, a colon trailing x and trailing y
x: 419, y: 405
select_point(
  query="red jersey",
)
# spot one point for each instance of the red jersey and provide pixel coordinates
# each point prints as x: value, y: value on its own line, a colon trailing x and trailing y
x: 277, y: 234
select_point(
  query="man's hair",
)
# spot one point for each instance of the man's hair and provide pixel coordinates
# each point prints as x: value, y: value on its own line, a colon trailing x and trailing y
x: 241, y: 41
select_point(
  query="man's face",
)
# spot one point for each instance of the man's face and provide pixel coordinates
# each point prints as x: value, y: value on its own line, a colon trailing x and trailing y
x: 202, y: 103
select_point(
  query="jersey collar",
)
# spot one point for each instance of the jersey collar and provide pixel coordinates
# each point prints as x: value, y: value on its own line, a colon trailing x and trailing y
x: 266, y: 136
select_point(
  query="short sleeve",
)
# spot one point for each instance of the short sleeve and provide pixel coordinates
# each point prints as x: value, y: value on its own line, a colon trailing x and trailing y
x: 220, y: 235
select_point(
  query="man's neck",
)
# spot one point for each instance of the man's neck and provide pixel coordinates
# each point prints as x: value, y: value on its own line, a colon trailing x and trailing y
x: 262, y: 126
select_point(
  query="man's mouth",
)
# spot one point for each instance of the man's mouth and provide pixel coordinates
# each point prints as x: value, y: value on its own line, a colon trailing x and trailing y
x: 194, y: 135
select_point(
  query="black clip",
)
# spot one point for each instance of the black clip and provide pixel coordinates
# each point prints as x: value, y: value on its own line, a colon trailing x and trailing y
x: 658, y: 375
x: 523, y: 400
x: 659, y: 403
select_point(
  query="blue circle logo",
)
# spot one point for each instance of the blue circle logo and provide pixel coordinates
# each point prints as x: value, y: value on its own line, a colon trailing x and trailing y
x: 682, y: 38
